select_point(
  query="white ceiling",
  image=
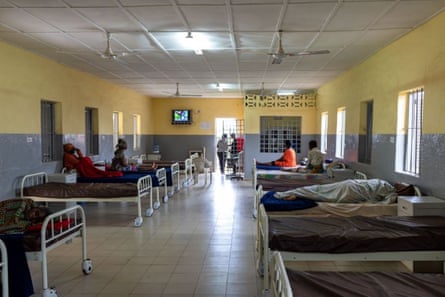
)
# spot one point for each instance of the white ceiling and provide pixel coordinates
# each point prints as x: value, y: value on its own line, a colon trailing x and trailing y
x: 239, y: 35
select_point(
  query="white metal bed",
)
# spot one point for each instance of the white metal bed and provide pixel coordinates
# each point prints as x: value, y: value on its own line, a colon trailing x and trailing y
x: 4, y: 269
x: 144, y: 188
x: 258, y: 190
x: 264, y: 253
x: 53, y: 235
x: 289, y: 282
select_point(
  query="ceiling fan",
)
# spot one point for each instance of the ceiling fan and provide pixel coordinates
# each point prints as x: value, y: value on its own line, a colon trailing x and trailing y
x: 108, y: 53
x: 280, y: 53
x: 179, y: 94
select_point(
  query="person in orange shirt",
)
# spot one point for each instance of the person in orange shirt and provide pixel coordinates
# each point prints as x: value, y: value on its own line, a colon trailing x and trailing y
x: 288, y: 159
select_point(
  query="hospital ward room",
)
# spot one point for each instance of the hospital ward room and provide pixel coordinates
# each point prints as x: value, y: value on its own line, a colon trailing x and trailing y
x: 222, y: 148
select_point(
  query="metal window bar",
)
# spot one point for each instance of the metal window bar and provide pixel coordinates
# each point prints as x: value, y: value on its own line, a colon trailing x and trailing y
x: 414, y: 131
x: 115, y: 127
x: 275, y: 130
x: 48, y: 132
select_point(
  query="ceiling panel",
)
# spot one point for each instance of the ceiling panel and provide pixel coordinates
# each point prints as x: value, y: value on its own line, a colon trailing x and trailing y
x: 236, y: 38
x: 357, y: 15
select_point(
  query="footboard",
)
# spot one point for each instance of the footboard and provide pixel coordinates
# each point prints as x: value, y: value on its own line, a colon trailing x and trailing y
x: 4, y: 269
x: 161, y: 175
x: 175, y: 177
x: 57, y: 229
x: 279, y: 281
x: 188, y: 172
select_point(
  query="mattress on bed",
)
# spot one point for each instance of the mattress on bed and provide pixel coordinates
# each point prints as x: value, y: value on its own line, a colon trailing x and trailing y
x: 283, y: 184
x: 340, y: 209
x: 356, y: 234
x: 365, y: 284
x: 128, y: 177
x: 164, y: 163
x: 78, y: 190
x: 284, y: 174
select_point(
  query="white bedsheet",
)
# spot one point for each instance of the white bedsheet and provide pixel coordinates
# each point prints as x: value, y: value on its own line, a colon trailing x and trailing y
x: 347, y: 191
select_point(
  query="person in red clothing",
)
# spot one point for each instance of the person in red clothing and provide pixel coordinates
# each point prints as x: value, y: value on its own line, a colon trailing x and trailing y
x: 71, y: 156
x: 288, y: 159
x: 74, y: 159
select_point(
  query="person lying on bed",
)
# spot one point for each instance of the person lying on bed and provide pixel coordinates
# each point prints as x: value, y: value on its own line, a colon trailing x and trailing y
x: 288, y: 159
x: 74, y: 159
x: 347, y: 191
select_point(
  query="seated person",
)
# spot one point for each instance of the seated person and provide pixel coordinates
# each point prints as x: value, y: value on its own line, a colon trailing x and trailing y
x: 314, y: 159
x: 73, y: 159
x: 288, y: 159
x: 119, y: 161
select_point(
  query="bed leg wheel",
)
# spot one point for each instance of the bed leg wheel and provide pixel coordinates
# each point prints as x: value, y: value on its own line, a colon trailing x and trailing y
x: 165, y: 199
x: 51, y: 292
x: 156, y: 205
x: 149, y: 212
x: 87, y: 266
x: 138, y: 221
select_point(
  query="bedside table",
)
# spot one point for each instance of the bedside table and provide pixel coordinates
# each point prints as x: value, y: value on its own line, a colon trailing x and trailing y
x: 65, y: 178
x: 420, y: 206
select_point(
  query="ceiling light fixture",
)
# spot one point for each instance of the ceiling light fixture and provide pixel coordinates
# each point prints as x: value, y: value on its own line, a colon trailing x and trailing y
x: 193, y: 44
x: 286, y: 92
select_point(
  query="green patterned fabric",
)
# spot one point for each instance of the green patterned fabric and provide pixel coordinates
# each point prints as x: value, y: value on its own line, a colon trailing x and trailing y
x: 12, y: 215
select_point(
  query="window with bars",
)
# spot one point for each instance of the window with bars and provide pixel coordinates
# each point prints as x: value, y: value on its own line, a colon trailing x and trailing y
x: 365, y: 135
x: 409, y: 131
x: 117, y: 126
x: 340, y: 137
x: 324, y: 132
x: 51, y: 142
x: 91, y: 131
x: 275, y: 130
x: 136, y: 132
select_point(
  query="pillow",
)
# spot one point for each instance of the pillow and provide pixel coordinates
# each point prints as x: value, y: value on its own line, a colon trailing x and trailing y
x: 273, y: 204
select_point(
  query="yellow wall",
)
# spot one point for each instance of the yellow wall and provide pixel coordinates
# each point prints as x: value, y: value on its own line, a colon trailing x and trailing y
x: 415, y: 60
x: 204, y: 112
x: 25, y: 79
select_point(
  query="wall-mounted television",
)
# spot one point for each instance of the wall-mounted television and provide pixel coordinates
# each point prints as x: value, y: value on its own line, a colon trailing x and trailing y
x: 181, y: 116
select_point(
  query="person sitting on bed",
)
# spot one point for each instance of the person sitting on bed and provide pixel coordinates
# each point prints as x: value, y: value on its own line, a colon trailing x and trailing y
x: 288, y: 159
x: 119, y: 161
x: 73, y: 159
x: 315, y: 158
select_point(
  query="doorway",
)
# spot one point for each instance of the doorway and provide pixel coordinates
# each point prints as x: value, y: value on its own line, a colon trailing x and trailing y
x: 231, y: 127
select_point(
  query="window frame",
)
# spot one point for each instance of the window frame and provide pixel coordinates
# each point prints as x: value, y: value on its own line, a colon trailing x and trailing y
x: 341, y: 133
x: 324, y: 132
x: 410, y: 107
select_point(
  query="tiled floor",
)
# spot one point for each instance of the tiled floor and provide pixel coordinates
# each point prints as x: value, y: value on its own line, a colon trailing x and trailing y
x: 200, y: 244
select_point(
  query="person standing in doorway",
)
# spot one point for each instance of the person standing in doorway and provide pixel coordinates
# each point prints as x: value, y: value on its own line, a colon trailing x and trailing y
x: 221, y: 150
